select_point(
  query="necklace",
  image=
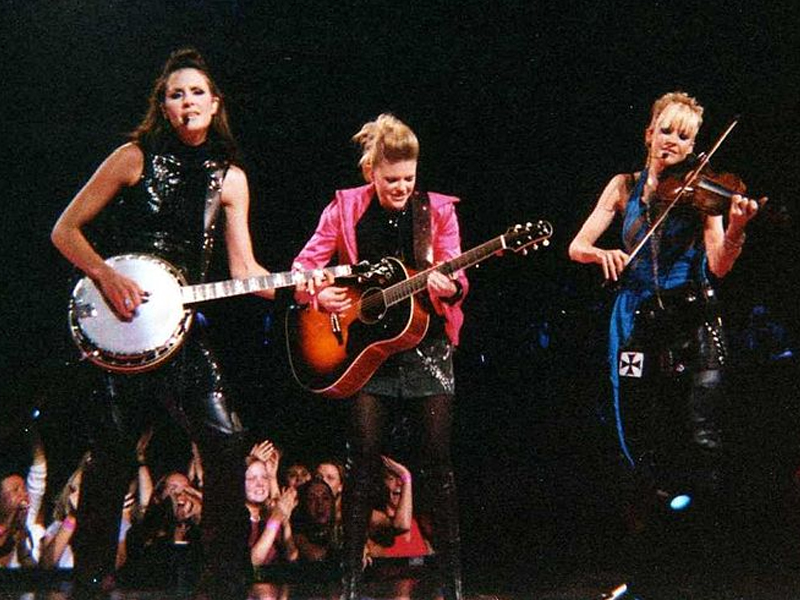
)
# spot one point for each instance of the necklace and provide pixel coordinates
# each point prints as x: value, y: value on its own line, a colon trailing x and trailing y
x: 393, y: 217
x: 655, y: 243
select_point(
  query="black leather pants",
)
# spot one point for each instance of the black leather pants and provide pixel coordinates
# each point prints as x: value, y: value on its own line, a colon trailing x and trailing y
x: 681, y: 388
x: 190, y: 390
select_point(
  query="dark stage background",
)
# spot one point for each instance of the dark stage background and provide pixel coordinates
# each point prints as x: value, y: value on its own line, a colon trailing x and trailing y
x: 524, y: 110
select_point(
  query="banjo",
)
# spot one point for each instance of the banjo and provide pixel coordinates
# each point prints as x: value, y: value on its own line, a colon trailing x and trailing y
x: 162, y: 322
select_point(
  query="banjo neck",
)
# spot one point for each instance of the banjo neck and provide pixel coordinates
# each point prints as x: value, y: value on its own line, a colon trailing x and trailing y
x: 160, y: 324
x: 201, y: 292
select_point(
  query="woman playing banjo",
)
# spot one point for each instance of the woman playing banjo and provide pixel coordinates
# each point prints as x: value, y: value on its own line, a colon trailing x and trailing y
x: 157, y: 187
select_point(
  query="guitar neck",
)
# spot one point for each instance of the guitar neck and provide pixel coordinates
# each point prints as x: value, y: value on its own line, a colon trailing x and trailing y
x: 203, y: 292
x: 416, y: 283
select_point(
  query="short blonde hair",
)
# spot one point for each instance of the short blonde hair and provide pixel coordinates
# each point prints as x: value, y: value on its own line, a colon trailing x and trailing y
x: 386, y: 138
x: 678, y: 110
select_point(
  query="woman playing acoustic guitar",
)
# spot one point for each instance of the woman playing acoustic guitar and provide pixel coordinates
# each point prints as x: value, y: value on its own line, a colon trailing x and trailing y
x: 157, y: 187
x: 388, y: 217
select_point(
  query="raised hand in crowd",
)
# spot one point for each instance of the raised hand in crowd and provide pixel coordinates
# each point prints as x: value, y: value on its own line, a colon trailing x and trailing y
x: 393, y: 529
x: 21, y: 519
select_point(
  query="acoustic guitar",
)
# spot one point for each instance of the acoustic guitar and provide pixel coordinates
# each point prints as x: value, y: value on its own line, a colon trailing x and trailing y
x: 335, y: 354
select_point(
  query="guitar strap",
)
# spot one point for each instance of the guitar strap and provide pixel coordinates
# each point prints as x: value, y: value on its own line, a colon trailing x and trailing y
x: 212, y: 203
x: 423, y: 246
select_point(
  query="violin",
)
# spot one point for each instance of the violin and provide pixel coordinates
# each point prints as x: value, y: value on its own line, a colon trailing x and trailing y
x: 692, y: 182
x: 707, y: 191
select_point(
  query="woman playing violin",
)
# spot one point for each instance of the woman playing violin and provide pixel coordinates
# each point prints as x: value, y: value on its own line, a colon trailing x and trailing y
x: 666, y: 345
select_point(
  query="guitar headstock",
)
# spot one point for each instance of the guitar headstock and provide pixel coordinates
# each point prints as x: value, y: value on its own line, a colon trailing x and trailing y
x: 531, y: 235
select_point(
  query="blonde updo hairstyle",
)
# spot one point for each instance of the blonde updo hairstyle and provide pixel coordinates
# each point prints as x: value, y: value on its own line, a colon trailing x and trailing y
x: 677, y: 110
x: 386, y: 138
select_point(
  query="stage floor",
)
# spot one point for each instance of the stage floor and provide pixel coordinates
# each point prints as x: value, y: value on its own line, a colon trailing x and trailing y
x: 657, y: 585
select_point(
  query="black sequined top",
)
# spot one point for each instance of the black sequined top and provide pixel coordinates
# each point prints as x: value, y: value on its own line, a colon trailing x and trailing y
x: 163, y: 213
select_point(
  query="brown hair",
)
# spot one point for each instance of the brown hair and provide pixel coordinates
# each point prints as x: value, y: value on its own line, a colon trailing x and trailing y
x: 154, y: 128
x: 61, y: 505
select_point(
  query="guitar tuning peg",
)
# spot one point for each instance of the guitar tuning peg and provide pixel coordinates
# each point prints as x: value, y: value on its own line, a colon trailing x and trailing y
x: 546, y: 243
x: 536, y: 246
x: 528, y: 225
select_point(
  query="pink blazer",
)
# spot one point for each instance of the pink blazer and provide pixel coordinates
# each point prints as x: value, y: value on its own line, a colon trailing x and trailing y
x: 336, y: 232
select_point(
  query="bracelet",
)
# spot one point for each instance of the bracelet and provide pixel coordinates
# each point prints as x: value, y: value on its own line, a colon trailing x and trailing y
x: 405, y: 478
x: 457, y: 295
x: 731, y: 245
x: 69, y: 523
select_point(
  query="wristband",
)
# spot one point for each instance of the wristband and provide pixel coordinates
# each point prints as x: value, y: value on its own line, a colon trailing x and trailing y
x: 405, y: 478
x: 273, y: 525
x: 3, y: 530
x: 69, y: 523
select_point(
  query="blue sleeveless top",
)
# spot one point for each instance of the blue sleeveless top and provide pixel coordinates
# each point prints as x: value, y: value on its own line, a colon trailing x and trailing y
x: 673, y: 257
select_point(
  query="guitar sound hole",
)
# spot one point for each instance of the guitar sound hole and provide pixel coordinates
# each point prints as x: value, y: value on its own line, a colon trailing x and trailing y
x: 373, y: 306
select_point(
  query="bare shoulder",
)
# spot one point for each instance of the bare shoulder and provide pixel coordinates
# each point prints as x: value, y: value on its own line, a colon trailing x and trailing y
x: 236, y: 176
x: 126, y: 163
x: 623, y: 182
x: 617, y: 191
x: 234, y: 188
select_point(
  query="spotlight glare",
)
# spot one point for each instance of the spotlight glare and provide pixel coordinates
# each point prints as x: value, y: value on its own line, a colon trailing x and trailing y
x: 680, y: 502
x: 618, y: 592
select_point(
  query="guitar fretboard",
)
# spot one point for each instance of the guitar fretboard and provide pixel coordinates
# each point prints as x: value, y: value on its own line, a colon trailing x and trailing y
x: 236, y: 287
x: 517, y: 238
x: 416, y: 283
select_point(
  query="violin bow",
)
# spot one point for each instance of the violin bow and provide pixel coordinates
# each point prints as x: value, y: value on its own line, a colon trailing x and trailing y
x: 687, y: 185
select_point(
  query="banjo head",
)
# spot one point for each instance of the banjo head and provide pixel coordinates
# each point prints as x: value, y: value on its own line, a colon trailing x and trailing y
x: 154, y: 333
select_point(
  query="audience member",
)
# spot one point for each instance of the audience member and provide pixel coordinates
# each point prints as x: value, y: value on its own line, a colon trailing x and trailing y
x: 270, y: 508
x: 56, y: 547
x: 164, y: 549
x: 296, y: 474
x: 21, y: 522
x: 315, y: 531
x: 393, y: 529
x: 332, y: 472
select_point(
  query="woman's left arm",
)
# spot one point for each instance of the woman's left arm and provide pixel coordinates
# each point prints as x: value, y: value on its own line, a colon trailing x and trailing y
x: 446, y: 246
x: 236, y: 203
x: 723, y: 246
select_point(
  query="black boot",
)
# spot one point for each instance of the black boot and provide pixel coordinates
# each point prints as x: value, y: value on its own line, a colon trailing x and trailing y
x: 225, y: 521
x: 351, y: 584
x: 441, y: 489
x: 105, y: 480
x: 357, y: 508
